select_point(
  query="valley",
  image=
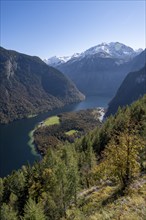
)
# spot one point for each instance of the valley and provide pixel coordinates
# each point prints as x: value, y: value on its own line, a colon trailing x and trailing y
x: 72, y: 110
x: 16, y: 148
x: 60, y: 160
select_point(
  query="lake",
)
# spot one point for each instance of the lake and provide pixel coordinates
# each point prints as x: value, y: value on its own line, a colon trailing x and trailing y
x: 14, y: 148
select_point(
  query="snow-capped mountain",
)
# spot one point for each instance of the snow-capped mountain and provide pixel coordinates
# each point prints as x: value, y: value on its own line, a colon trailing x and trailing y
x: 56, y: 61
x: 114, y: 50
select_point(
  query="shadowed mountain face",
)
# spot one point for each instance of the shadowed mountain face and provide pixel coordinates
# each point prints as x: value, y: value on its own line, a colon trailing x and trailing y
x: 29, y: 86
x: 139, y: 61
x: 95, y: 75
x: 101, y: 69
x: 132, y: 88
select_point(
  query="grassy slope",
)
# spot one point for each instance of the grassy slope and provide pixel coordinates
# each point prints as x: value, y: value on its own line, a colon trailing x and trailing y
x: 51, y: 121
x: 128, y: 207
x: 71, y: 132
x: 104, y: 202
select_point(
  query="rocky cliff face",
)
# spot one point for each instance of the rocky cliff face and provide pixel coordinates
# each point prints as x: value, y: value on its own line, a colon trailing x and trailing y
x: 29, y: 86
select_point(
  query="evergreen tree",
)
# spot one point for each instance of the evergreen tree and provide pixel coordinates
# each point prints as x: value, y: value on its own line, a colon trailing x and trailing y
x: 8, y: 213
x: 71, y: 162
x: 87, y: 161
x: 33, y: 211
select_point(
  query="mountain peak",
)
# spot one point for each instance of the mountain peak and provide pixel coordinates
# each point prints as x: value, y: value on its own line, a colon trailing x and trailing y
x: 114, y: 50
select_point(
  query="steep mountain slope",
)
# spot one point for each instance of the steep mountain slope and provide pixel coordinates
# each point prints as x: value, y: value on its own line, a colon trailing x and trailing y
x: 133, y: 87
x: 28, y: 86
x: 100, y: 69
x: 95, y: 75
x: 139, y: 61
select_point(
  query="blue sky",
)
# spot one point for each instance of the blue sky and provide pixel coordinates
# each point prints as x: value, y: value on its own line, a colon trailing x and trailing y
x: 48, y: 28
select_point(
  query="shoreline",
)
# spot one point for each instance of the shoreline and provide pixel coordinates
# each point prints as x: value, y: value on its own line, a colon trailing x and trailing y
x: 21, y: 128
x: 35, y: 114
x: 31, y: 143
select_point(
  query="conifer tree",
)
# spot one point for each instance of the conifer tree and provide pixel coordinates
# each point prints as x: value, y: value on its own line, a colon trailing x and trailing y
x: 33, y: 211
x: 87, y: 161
x: 8, y: 213
x: 72, y: 173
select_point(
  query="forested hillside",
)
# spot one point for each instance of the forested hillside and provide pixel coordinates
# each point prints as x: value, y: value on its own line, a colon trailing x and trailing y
x: 28, y: 86
x: 132, y: 88
x: 101, y: 176
x: 65, y: 127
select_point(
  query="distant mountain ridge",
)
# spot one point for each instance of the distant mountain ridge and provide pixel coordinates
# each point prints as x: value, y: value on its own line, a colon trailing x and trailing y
x: 55, y: 61
x: 29, y: 86
x: 104, y: 50
x: 101, y: 69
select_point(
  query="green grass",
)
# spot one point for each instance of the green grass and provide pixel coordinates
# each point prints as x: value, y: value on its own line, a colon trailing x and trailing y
x: 52, y: 121
x: 106, y: 204
x: 71, y: 132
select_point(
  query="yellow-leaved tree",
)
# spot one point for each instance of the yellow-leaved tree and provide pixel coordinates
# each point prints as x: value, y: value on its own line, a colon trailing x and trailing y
x: 121, y: 158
